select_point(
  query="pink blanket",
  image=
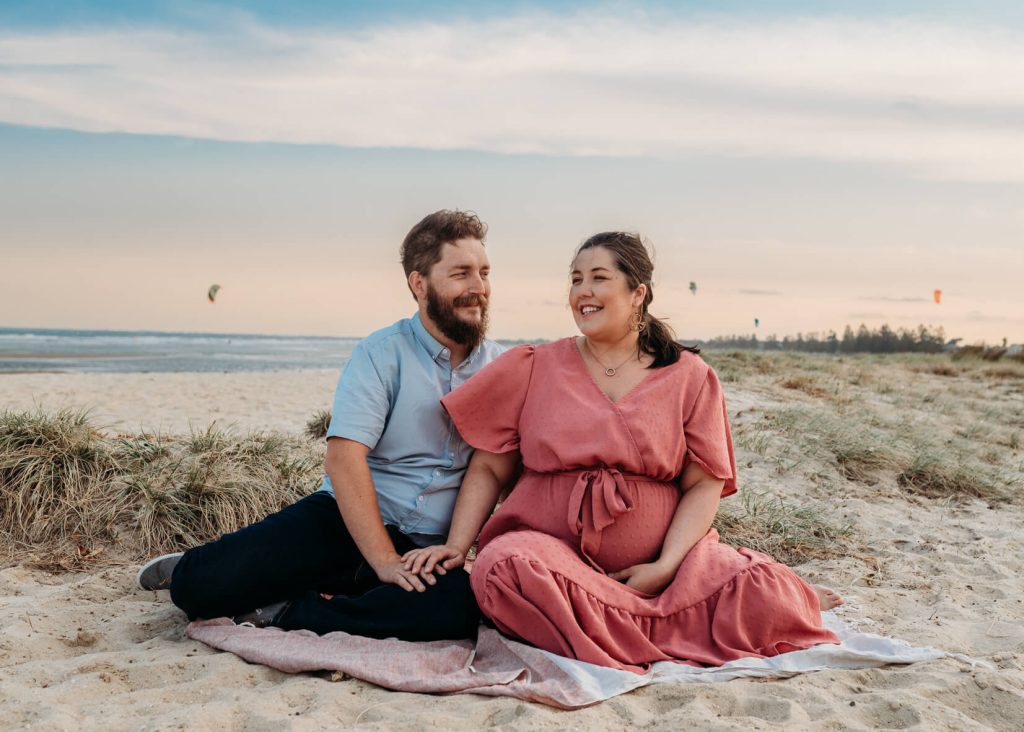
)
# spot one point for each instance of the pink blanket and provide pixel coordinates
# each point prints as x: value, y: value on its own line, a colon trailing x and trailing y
x: 497, y: 666
x: 494, y: 666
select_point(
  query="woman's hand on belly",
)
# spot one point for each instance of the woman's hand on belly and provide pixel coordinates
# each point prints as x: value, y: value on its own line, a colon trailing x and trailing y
x: 650, y: 578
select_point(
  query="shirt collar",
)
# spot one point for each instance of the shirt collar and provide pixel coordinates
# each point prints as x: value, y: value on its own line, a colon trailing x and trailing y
x: 437, y: 350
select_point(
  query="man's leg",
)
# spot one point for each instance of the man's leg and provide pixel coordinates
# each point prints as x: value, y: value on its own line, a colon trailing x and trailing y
x: 305, y: 546
x: 443, y: 611
x: 447, y: 610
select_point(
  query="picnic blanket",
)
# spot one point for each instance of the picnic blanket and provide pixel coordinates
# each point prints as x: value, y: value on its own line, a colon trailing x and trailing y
x: 498, y: 666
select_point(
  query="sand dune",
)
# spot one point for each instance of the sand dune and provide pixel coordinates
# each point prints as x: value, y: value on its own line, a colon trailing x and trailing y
x: 87, y: 651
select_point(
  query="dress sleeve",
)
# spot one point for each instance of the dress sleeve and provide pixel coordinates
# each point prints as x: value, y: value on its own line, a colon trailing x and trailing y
x: 708, y: 439
x: 486, y: 409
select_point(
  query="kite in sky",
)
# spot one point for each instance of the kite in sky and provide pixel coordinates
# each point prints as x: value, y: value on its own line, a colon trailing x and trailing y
x: 693, y: 287
x: 938, y: 297
x: 211, y: 294
x: 757, y: 322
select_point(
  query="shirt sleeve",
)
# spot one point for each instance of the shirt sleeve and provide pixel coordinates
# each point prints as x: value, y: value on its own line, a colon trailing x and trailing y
x: 707, y: 434
x: 362, y: 400
x: 486, y: 409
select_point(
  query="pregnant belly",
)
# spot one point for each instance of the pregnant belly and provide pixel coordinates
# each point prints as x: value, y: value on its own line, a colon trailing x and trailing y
x: 541, y: 503
x: 637, y: 536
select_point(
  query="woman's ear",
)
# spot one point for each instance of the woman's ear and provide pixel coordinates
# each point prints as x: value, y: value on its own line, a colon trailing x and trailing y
x: 638, y: 295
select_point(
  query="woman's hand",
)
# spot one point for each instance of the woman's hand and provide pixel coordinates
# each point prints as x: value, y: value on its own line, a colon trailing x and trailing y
x: 650, y: 578
x: 429, y: 559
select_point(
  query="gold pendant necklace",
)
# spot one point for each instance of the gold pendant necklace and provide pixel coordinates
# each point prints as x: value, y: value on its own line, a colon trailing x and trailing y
x: 608, y: 370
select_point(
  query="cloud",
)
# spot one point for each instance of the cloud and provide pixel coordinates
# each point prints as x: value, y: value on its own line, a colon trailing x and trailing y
x: 884, y: 298
x: 937, y: 100
x: 764, y: 293
x: 887, y: 316
x: 976, y: 316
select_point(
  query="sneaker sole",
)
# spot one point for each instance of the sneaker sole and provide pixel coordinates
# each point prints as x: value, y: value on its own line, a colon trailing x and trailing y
x: 150, y: 563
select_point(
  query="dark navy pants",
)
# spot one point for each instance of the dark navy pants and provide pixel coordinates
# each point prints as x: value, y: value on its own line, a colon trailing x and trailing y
x: 305, y: 550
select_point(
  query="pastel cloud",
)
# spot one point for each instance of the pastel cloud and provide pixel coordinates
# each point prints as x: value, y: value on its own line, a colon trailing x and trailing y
x: 939, y: 101
x: 886, y: 298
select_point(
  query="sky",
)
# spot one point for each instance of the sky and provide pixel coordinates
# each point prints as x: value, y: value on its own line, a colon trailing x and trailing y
x: 811, y: 165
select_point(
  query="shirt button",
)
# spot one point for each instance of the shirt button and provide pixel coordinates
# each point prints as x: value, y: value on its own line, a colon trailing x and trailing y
x: 437, y: 471
x: 419, y: 500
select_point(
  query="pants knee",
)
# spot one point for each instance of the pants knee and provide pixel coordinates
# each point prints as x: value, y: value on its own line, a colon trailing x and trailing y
x: 458, y: 614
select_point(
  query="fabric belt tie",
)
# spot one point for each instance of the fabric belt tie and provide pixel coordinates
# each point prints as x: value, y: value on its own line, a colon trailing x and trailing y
x: 598, y: 497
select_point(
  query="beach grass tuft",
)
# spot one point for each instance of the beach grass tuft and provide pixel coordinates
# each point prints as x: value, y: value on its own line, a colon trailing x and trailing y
x: 210, y: 484
x: 945, y: 473
x: 806, y: 383
x: 857, y: 449
x: 791, y: 534
x: 316, y: 427
x: 51, y: 467
x: 67, y: 491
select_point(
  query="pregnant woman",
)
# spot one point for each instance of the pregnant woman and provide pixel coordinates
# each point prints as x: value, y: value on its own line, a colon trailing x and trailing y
x: 604, y: 549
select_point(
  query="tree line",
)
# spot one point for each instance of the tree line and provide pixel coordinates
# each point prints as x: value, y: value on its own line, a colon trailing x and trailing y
x: 923, y: 339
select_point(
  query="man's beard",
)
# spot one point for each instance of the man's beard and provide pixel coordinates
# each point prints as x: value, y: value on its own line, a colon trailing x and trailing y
x: 463, y: 332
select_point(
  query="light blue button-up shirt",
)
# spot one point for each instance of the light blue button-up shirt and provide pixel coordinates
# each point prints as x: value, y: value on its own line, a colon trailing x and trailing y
x: 389, y: 399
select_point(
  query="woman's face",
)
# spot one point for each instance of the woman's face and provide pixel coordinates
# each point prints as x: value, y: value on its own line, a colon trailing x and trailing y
x: 601, y: 301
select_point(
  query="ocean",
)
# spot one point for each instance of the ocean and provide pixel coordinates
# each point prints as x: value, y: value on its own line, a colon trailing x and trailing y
x: 24, y: 350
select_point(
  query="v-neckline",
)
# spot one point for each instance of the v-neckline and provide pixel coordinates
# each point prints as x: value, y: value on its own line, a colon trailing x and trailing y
x: 573, y: 343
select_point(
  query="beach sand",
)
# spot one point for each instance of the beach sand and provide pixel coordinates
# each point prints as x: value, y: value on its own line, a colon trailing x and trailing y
x: 88, y: 651
x: 280, y: 401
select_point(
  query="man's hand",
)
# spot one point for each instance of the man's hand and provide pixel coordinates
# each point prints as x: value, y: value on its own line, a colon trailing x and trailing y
x: 650, y: 578
x: 429, y: 559
x: 393, y: 571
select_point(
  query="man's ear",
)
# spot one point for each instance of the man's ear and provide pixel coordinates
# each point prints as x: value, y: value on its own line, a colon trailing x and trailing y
x: 418, y: 285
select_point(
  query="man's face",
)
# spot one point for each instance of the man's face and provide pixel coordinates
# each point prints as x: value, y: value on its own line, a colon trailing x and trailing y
x: 457, y: 292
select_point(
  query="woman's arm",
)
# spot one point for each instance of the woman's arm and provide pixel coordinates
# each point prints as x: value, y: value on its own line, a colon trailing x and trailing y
x: 691, y: 521
x: 488, y: 473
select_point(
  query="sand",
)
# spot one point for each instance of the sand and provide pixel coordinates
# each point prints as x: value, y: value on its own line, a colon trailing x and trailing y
x: 280, y: 401
x: 87, y: 651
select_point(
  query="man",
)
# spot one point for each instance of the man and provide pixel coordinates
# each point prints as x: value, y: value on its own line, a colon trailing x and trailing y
x: 333, y: 560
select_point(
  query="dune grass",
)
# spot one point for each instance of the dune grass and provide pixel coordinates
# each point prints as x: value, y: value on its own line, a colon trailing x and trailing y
x: 69, y: 493
x: 791, y: 534
x: 51, y: 471
x: 197, y: 488
x: 930, y: 426
x: 316, y: 427
x: 71, y: 496
x: 914, y: 425
x: 936, y: 473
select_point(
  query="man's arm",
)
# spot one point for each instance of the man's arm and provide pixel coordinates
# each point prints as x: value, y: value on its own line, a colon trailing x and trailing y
x: 350, y: 476
x: 488, y: 473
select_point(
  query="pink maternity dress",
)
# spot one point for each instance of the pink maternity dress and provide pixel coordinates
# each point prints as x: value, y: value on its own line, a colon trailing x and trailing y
x: 599, y: 487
